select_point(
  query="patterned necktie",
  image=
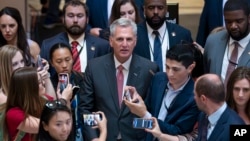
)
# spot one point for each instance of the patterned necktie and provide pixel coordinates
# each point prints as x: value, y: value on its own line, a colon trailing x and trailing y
x: 120, y: 79
x: 157, y: 50
x: 76, y: 57
x: 232, y: 62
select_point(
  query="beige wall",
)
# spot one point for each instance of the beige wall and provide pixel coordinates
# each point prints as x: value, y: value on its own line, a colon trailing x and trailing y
x: 189, y: 6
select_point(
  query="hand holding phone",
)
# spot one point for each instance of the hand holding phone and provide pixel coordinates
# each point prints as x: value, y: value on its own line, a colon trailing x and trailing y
x: 89, y: 119
x: 142, y: 123
x: 63, y: 81
x: 39, y: 63
x: 127, y: 95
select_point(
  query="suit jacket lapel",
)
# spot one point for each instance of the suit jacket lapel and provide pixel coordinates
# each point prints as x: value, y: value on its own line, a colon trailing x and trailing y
x: 110, y: 73
x: 90, y: 45
x: 182, y: 97
x: 64, y: 38
x: 218, y: 129
x: 245, y: 57
x: 144, y: 35
x: 171, y: 35
x: 161, y: 90
x: 220, y: 50
x: 134, y: 73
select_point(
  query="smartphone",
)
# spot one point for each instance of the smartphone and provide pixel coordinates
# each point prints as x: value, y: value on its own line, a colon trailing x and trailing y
x: 89, y: 119
x: 39, y: 63
x: 128, y: 95
x: 142, y: 123
x: 63, y: 81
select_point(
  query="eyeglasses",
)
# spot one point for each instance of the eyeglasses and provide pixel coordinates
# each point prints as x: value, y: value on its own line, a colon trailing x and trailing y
x: 55, y: 103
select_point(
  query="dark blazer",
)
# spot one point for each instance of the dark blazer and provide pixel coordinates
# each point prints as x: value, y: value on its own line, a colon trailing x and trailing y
x: 176, y: 34
x: 214, y: 52
x: 98, y: 13
x: 221, y: 130
x: 95, y: 46
x: 100, y: 93
x: 211, y: 17
x: 182, y: 113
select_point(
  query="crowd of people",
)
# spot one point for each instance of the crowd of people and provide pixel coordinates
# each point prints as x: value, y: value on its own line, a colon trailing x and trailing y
x: 189, y: 91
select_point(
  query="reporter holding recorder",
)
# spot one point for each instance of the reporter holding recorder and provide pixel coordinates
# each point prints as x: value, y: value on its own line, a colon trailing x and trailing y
x: 171, y: 97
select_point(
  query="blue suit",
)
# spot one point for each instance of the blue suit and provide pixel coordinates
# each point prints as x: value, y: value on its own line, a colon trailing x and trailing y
x: 211, y: 17
x: 95, y: 46
x: 221, y: 131
x: 182, y: 113
x: 176, y: 34
x: 98, y: 12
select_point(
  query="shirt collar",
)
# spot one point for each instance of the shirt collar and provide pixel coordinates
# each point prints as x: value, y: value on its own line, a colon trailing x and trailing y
x: 214, y: 117
x: 125, y: 65
x: 179, y: 89
x: 243, y: 42
x: 161, y: 30
x: 79, y: 40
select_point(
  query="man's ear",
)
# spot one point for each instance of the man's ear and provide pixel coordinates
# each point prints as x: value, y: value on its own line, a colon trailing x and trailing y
x: 203, y: 98
x: 191, y: 67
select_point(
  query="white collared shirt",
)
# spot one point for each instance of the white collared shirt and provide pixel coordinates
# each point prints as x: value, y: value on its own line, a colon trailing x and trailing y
x: 228, y: 51
x: 163, y: 31
x: 126, y: 66
x: 83, y: 54
x: 169, y: 96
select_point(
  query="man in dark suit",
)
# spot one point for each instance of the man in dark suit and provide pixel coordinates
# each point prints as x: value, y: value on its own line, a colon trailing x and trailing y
x: 220, y: 46
x: 171, y: 97
x: 211, y: 17
x: 105, y: 78
x: 216, y: 116
x: 170, y: 34
x: 75, y: 22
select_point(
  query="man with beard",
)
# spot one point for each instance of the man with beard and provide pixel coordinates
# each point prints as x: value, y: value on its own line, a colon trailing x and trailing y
x: 169, y: 34
x: 228, y: 49
x: 75, y: 22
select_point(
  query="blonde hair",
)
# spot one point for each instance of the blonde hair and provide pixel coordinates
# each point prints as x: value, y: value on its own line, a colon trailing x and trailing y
x: 7, y: 52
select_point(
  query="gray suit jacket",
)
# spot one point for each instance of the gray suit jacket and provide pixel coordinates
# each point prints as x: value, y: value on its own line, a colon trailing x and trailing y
x: 100, y: 93
x: 214, y: 52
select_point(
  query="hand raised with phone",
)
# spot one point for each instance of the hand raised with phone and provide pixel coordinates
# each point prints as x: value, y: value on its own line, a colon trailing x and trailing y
x: 136, y: 105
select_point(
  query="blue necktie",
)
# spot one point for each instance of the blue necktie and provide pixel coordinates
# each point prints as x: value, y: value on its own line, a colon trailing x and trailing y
x: 157, y: 50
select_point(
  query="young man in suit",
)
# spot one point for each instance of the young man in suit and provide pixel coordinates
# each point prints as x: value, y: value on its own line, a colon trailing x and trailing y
x: 169, y: 34
x: 105, y: 78
x: 216, y: 117
x: 75, y: 21
x: 228, y: 49
x: 171, y: 97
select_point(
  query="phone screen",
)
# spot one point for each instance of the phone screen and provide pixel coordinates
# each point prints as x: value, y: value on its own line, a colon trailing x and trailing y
x: 63, y: 80
x: 128, y: 95
x: 142, y: 123
x: 89, y: 119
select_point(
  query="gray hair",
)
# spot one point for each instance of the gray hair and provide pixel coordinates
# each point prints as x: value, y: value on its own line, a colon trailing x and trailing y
x: 123, y: 22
